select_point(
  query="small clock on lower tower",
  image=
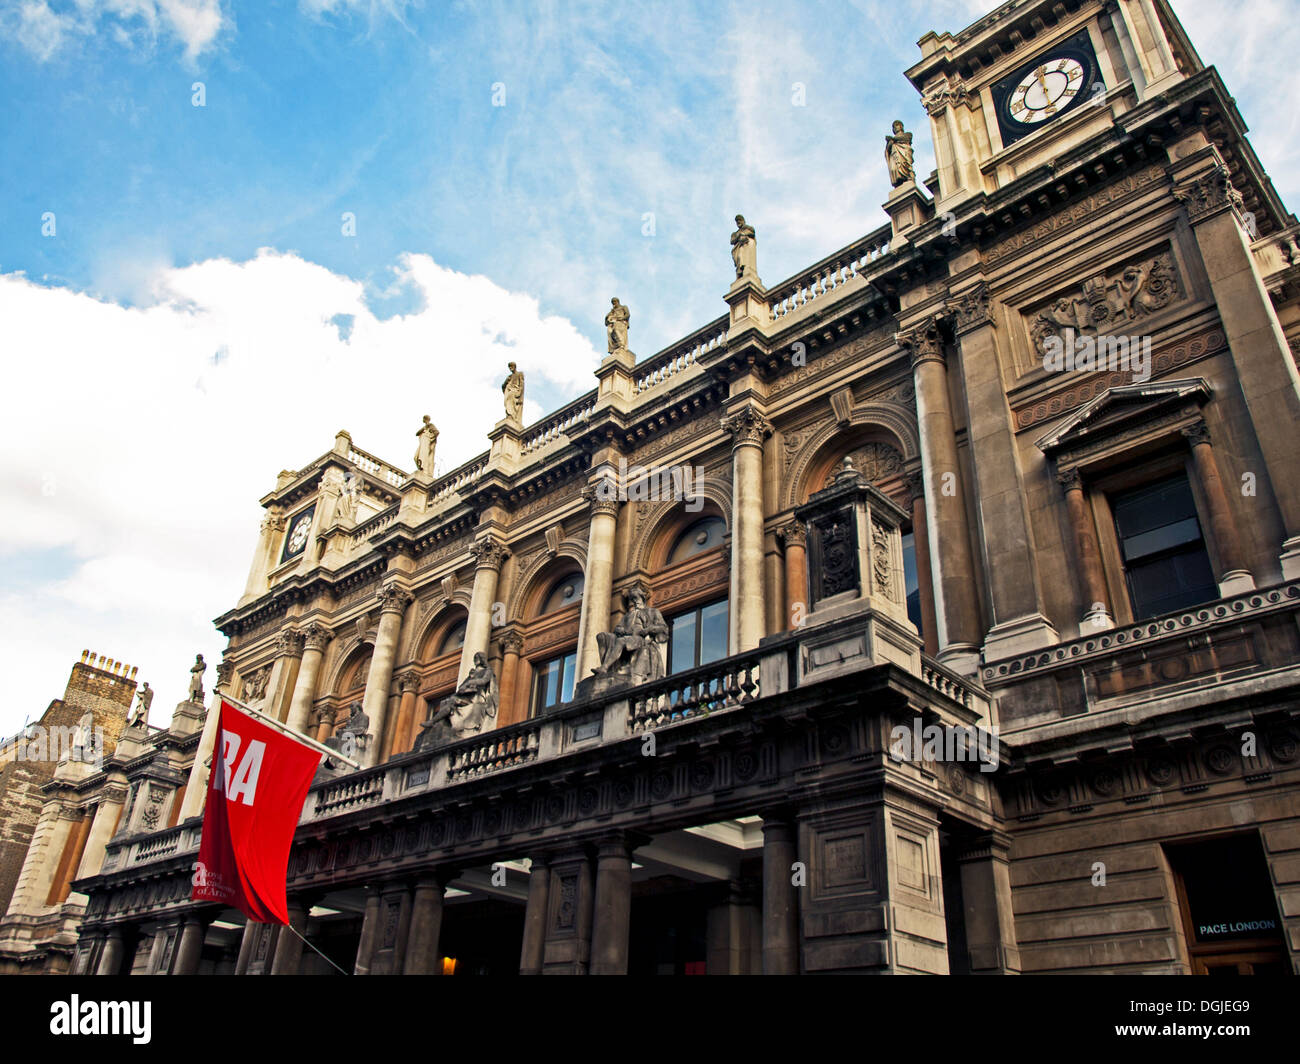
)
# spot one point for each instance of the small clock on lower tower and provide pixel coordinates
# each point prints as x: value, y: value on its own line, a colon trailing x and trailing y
x: 1056, y: 82
x: 295, y: 540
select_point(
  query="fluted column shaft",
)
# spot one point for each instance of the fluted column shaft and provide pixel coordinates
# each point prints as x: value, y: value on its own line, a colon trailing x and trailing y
x: 393, y: 600
x: 748, y: 428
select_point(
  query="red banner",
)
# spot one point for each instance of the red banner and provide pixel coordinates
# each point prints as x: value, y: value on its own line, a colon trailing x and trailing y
x: 256, y: 790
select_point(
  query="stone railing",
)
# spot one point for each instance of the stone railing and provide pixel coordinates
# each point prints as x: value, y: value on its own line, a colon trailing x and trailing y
x: 446, y: 486
x: 372, y: 526
x: 1277, y: 253
x: 516, y: 744
x: 834, y: 271
x: 156, y: 846
x: 350, y: 792
x: 555, y: 427
x: 376, y: 467
x: 708, y: 689
x: 675, y: 360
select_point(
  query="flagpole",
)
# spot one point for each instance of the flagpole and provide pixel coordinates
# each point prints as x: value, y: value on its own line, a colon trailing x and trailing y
x: 293, y: 733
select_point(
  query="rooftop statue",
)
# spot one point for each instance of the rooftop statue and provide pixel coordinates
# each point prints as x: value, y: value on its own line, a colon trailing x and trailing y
x: 898, y: 156
x: 744, y: 248
x: 616, y: 323
x: 513, y: 391
x: 196, y: 679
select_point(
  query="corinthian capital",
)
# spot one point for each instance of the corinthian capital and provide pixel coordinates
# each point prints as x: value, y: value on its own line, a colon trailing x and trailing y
x: 603, y: 496
x: 315, y: 636
x: 488, y: 553
x: 393, y: 598
x: 1208, y: 195
x: 922, y: 341
x: 970, y: 309
x: 1197, y: 432
x: 793, y: 534
x: 289, y: 644
x: 225, y: 673
x: 747, y: 426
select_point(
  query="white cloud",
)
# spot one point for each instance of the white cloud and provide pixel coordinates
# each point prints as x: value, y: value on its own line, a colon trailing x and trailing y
x: 44, y: 33
x: 143, y: 437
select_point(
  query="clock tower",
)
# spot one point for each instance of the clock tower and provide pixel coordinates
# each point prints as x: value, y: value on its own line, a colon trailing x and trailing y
x: 1036, y: 78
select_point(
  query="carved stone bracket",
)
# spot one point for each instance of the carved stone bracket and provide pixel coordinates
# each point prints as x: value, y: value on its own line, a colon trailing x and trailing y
x: 938, y: 99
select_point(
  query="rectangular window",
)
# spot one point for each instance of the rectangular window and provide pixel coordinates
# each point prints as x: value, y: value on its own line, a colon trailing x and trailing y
x: 910, y: 581
x: 555, y: 679
x: 698, y: 636
x: 1164, y: 555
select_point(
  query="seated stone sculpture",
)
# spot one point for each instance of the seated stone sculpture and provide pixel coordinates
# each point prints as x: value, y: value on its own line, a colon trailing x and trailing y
x: 349, y: 738
x: 465, y: 711
x: 632, y: 649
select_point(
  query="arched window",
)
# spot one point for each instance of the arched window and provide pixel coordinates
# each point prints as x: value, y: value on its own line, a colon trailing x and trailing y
x: 703, y: 535
x: 564, y: 592
x: 453, y: 638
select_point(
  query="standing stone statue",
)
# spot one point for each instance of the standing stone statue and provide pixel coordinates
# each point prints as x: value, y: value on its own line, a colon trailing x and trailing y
x: 196, y: 679
x: 428, y: 437
x: 143, y: 700
x: 744, y: 248
x: 898, y: 156
x: 465, y: 711
x: 632, y: 649
x: 513, y: 390
x: 616, y: 323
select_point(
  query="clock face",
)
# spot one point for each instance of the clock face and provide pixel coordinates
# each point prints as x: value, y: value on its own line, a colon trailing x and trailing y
x: 299, y: 529
x: 1055, y: 83
x: 1046, y: 90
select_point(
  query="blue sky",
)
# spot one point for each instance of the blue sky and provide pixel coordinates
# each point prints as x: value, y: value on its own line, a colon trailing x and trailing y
x: 172, y: 341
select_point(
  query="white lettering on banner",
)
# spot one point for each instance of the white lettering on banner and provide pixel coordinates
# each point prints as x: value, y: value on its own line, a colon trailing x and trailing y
x: 240, y: 783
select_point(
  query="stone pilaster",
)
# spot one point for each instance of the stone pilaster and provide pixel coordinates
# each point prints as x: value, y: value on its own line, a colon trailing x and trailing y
x: 794, y: 537
x: 315, y: 637
x: 986, y: 897
x: 780, y: 897
x: 598, y: 582
x: 535, y: 914
x: 611, y: 923
x: 488, y: 554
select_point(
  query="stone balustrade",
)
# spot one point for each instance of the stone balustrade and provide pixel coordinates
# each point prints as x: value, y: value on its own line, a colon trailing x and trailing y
x: 376, y: 467
x: 681, y: 356
x: 833, y: 272
x: 554, y: 428
x: 708, y: 689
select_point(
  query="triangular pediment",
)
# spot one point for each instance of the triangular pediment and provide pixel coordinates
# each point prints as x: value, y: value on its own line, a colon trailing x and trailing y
x: 1121, y: 407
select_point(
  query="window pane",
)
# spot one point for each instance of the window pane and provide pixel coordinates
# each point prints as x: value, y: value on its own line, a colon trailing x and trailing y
x: 1147, y: 508
x: 550, y: 674
x: 1144, y: 544
x: 910, y: 581
x: 1172, y: 582
x: 682, y: 645
x: 713, y: 632
x: 566, y: 688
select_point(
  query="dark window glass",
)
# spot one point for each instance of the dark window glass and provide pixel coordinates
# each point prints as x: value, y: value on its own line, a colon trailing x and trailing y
x: 566, y: 592
x: 698, y: 636
x: 555, y: 679
x: 454, y: 638
x: 1163, y: 549
x: 909, y: 579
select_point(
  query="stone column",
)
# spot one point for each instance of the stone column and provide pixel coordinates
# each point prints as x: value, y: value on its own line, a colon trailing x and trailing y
x: 110, y: 960
x: 921, y: 548
x: 780, y: 898
x: 392, y: 602
x: 315, y: 636
x: 196, y: 787
x: 282, y: 682
x: 1097, y: 614
x: 795, y: 538
x: 952, y: 570
x: 986, y: 897
x: 288, y: 947
x: 369, y: 932
x: 488, y: 556
x: 190, y: 950
x: 1010, y: 563
x: 324, y: 724
x: 409, y: 686
x: 511, y: 644
x: 611, y: 921
x: 531, y: 952
x: 422, y: 955
x: 1234, y: 578
x: 246, y: 943
x: 598, y: 580
x: 1265, y: 370
x: 748, y: 429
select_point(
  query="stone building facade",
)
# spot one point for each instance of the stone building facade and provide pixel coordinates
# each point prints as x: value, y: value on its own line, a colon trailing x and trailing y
x: 1016, y: 467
